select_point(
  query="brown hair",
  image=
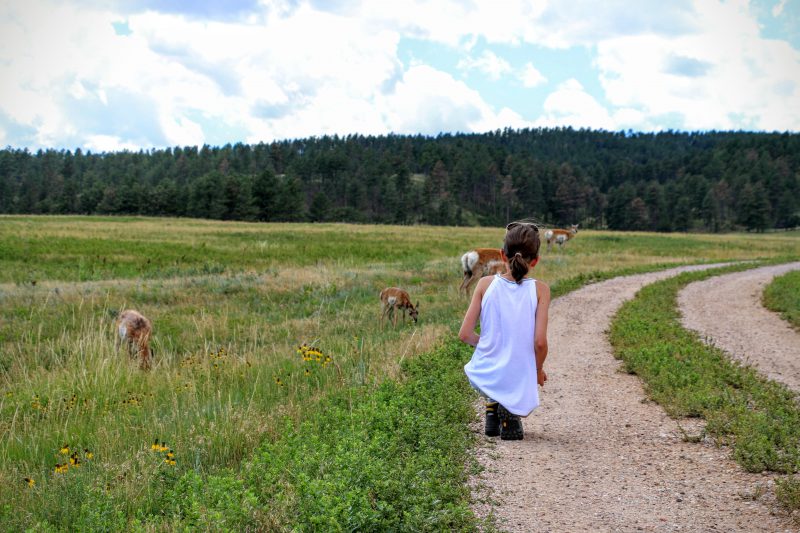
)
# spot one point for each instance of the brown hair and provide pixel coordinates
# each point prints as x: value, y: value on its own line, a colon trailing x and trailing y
x: 521, y: 247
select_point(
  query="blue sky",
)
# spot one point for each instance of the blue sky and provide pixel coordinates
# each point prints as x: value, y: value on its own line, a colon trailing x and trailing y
x: 111, y: 75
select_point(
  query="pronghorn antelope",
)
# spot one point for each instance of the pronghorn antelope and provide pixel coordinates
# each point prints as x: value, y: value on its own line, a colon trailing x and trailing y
x: 559, y: 236
x: 478, y: 263
x: 135, y: 328
x: 393, y: 299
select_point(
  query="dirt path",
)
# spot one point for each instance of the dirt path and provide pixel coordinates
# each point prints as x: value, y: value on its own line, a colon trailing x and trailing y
x: 749, y: 332
x: 597, y: 456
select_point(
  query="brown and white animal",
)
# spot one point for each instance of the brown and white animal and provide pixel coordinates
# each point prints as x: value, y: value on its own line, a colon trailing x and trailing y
x: 135, y: 329
x: 478, y: 263
x: 393, y: 299
x: 559, y: 236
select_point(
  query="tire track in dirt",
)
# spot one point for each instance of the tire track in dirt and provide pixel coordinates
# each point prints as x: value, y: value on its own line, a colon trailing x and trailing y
x: 598, y: 456
x: 726, y: 311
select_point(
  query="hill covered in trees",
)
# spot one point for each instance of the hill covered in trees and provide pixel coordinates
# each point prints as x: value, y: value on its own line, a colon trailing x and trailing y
x: 667, y: 181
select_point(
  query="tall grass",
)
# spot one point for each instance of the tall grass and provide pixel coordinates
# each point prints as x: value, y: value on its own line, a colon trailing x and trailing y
x: 230, y: 303
x: 782, y: 295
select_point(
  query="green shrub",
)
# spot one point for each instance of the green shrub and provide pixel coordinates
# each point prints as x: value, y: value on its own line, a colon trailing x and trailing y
x: 388, y: 460
x: 787, y: 492
x: 213, y: 503
x: 783, y: 296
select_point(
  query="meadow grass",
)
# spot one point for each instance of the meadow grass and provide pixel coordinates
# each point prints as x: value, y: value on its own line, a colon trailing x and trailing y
x: 231, y: 303
x: 758, y: 418
x: 782, y: 295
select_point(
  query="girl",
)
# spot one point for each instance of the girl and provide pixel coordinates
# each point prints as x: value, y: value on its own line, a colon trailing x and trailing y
x: 511, y: 349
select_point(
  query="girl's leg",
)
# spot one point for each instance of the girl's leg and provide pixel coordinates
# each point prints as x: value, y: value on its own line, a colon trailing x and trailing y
x: 492, y: 428
x: 510, y: 424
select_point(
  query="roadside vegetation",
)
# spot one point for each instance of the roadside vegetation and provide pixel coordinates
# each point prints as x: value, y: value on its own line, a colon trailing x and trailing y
x: 269, y: 361
x: 758, y: 418
x: 783, y: 296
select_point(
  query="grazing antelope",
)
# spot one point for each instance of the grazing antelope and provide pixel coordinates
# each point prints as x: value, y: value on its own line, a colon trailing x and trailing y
x: 559, y: 236
x: 135, y: 328
x: 392, y: 299
x: 478, y: 263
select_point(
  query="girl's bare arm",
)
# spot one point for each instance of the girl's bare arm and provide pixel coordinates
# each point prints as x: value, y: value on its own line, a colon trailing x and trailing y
x: 467, y: 331
x: 540, y: 333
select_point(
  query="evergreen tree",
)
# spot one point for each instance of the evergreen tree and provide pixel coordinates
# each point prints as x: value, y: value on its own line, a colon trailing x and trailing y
x: 618, y: 212
x: 291, y: 201
x: 682, y: 214
x: 163, y: 199
x: 265, y: 194
x: 238, y: 198
x: 638, y: 214
x: 319, y: 211
x: 754, y: 207
x: 562, y: 175
x: 205, y: 196
x: 569, y: 201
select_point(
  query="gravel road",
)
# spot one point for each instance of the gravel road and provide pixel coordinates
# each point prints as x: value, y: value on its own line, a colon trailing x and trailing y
x: 598, y: 456
x: 727, y: 312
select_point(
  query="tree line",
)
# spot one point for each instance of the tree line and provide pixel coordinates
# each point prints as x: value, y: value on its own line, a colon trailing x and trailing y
x: 666, y: 181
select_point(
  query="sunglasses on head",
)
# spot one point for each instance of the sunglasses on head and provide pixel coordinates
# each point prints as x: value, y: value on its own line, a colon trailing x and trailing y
x: 515, y: 224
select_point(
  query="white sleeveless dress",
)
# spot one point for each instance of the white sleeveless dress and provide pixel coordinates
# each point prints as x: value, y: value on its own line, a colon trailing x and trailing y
x: 504, y: 363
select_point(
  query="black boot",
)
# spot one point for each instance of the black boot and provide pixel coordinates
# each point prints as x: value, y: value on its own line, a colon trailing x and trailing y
x: 492, y: 420
x: 510, y: 424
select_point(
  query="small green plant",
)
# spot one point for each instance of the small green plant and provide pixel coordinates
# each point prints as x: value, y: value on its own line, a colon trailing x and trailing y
x: 787, y: 492
x: 783, y: 296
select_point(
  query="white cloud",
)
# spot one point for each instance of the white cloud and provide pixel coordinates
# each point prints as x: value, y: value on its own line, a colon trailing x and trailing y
x: 549, y: 22
x: 181, y: 131
x: 777, y: 9
x: 292, y: 72
x: 296, y: 69
x: 430, y: 101
x: 726, y: 76
x: 453, y: 22
x: 108, y: 143
x: 488, y: 63
x: 531, y: 77
x: 571, y: 105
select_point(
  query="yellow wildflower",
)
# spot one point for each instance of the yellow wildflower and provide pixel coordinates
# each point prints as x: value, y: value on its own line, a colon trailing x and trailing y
x: 64, y: 450
x: 30, y: 482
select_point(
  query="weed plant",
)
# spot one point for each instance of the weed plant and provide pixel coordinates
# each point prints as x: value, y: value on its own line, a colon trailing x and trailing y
x: 782, y: 295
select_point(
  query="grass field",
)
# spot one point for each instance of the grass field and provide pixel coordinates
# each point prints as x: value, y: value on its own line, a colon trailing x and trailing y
x: 783, y: 296
x: 230, y: 303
